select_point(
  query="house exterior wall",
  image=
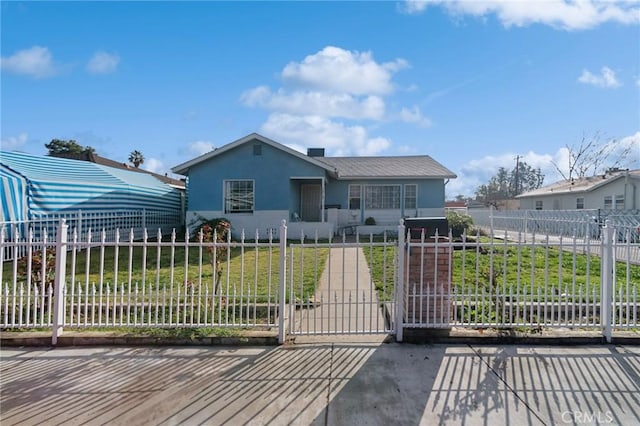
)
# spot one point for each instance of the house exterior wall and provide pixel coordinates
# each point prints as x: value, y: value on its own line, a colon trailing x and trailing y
x: 430, y: 199
x: 271, y: 172
x: 628, y: 187
x: 277, y: 178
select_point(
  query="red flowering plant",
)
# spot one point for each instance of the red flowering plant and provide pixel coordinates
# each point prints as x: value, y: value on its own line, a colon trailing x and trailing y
x: 43, y: 279
x: 214, y: 230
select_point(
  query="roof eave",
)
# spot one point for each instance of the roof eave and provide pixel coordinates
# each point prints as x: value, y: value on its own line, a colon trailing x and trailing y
x: 573, y: 190
x: 366, y: 177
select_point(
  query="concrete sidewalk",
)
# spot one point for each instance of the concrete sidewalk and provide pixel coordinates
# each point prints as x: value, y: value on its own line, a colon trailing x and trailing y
x: 346, y: 300
x: 332, y: 383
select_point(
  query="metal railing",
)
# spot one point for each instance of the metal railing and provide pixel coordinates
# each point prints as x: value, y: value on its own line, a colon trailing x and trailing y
x: 567, y: 223
x: 82, y: 222
x: 258, y: 282
x: 536, y: 283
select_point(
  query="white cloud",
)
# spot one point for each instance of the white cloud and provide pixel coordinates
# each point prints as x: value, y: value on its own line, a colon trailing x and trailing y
x: 314, y: 131
x: 414, y: 6
x: 343, y: 71
x: 154, y: 165
x: 414, y: 115
x: 631, y: 142
x: 36, y: 62
x: 13, y: 143
x: 197, y: 148
x: 563, y: 14
x: 323, y: 90
x: 103, y: 63
x: 328, y: 104
x: 607, y: 78
x: 478, y: 172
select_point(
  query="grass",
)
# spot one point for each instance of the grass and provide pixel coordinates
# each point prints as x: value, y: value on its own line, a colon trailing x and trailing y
x: 531, y: 270
x: 515, y: 269
x: 381, y: 260
x: 253, y: 269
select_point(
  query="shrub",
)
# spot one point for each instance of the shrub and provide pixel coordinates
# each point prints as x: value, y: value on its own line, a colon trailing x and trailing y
x: 39, y: 262
x: 214, y: 230
x: 369, y: 221
x: 459, y: 223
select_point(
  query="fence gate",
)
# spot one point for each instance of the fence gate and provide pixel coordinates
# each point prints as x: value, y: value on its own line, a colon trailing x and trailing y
x: 354, y: 293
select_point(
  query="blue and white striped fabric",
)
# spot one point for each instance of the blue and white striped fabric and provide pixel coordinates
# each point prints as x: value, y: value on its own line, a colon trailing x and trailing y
x: 38, y: 185
x: 13, y: 195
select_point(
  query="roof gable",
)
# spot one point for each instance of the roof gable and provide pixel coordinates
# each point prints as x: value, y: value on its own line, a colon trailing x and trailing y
x: 183, y: 168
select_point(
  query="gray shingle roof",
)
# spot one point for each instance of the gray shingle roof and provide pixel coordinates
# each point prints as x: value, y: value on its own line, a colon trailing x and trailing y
x: 419, y: 166
x: 584, y: 184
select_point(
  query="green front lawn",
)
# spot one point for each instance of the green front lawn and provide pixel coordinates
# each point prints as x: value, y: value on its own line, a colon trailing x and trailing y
x: 246, y: 270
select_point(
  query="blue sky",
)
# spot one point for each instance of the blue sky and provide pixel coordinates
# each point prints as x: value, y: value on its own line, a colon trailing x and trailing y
x: 473, y: 84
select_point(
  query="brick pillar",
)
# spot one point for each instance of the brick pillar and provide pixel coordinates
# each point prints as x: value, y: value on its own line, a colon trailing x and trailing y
x: 428, y: 288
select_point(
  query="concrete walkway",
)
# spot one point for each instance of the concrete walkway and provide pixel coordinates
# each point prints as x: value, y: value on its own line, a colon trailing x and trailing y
x: 345, y: 300
x: 322, y: 384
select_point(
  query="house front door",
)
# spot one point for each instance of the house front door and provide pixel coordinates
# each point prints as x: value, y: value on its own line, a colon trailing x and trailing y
x: 311, y: 202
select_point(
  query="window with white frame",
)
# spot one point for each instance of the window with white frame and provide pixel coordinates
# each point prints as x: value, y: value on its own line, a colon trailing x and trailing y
x: 238, y: 196
x: 411, y: 196
x: 608, y: 202
x: 382, y: 197
x: 580, y: 203
x: 619, y: 205
x: 355, y: 195
x: 539, y: 204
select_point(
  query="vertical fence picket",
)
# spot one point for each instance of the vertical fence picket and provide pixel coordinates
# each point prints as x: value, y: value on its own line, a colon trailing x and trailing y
x: 282, y: 283
x: 269, y: 279
x: 241, y: 283
x: 87, y: 294
x: 93, y: 304
x: 186, y: 276
x: 158, y: 250
x: 200, y: 242
x: 171, y: 275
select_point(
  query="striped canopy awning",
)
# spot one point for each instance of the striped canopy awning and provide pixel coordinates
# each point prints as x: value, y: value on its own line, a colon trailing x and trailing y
x: 34, y: 186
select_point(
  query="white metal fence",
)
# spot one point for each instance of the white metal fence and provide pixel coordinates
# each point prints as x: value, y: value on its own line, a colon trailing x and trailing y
x: 507, y: 283
x: 567, y: 223
x: 82, y: 222
x: 361, y: 285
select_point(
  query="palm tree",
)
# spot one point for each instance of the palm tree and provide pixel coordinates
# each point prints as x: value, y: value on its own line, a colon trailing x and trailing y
x: 136, y: 158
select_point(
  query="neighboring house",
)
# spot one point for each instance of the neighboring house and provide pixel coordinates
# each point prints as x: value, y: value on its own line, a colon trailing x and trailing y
x: 614, y: 190
x: 34, y: 187
x: 256, y: 183
x: 455, y: 206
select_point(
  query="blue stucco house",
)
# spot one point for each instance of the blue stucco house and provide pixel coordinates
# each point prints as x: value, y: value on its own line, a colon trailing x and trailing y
x: 256, y: 183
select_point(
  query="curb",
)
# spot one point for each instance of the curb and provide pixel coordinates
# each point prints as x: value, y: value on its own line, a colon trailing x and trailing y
x: 411, y: 336
x: 20, y: 340
x: 500, y: 337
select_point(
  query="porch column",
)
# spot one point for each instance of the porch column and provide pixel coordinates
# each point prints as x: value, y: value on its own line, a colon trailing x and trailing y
x: 322, y: 219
